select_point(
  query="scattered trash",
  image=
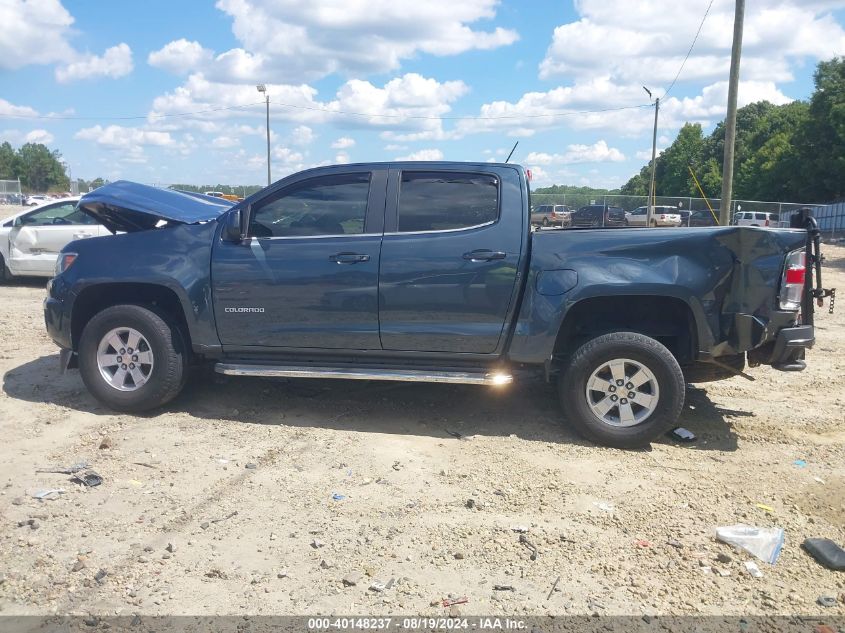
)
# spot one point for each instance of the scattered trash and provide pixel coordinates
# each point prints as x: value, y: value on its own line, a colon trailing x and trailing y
x: 680, y: 434
x: 317, y: 544
x: 826, y: 552
x: 503, y: 588
x: 251, y: 466
x: 216, y: 573
x: 554, y: 586
x: 64, y: 470
x: 450, y: 602
x: 764, y: 543
x: 380, y: 585
x: 752, y: 569
x: 353, y: 578
x: 338, y: 497
x: 826, y: 601
x: 454, y: 434
x: 765, y: 508
x: 604, y: 506
x: 722, y: 572
x: 146, y: 465
x: 204, y: 525
x: 819, y: 480
x: 100, y: 575
x: 520, y: 529
x: 52, y: 493
x: 642, y: 543
x: 524, y: 540
x: 89, y: 479
x: 800, y: 463
x: 225, y: 518
x: 397, y: 465
x: 30, y: 523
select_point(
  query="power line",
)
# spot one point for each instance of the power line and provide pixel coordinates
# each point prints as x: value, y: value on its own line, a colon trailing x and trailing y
x: 691, y: 46
x: 327, y: 110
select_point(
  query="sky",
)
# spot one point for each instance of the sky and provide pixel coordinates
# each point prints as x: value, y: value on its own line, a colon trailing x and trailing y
x: 165, y: 92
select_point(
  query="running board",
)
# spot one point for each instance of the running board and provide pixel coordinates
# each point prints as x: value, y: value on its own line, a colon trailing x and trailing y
x: 402, y: 375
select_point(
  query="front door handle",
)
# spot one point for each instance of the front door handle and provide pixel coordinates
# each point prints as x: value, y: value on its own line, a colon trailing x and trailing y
x: 484, y: 255
x: 349, y: 258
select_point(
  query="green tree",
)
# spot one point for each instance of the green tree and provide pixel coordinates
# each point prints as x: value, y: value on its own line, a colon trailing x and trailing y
x: 8, y: 162
x: 672, y: 177
x: 40, y: 168
x: 824, y: 151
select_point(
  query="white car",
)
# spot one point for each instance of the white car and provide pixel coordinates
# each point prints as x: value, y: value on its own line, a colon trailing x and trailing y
x: 35, y: 200
x: 30, y: 241
x: 661, y: 216
x: 756, y: 218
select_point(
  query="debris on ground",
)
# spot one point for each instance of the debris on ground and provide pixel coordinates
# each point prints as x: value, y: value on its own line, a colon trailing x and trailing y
x: 799, y: 463
x: 225, y: 518
x: 106, y: 442
x: 752, y: 569
x: 89, y: 479
x: 380, y: 585
x: 30, y: 523
x: 531, y: 547
x: 338, y: 497
x: 765, y: 508
x: 64, y: 470
x: 680, y: 434
x: 825, y: 552
x: 503, y: 588
x: 826, y: 601
x: 764, y: 543
x: 353, y: 578
x: 251, y: 466
x: 52, y: 493
x: 554, y: 586
x: 450, y: 602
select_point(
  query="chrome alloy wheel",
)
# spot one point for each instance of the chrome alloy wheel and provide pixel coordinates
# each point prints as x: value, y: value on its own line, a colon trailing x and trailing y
x: 125, y: 359
x: 622, y: 392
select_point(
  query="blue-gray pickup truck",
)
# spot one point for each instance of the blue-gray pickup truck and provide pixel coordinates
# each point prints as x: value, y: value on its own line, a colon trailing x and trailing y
x: 428, y: 272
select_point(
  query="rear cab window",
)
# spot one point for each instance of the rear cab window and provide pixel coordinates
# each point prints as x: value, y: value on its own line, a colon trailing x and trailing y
x: 446, y: 201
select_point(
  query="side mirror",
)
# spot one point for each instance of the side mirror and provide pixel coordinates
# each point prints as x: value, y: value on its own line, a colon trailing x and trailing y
x: 232, y: 227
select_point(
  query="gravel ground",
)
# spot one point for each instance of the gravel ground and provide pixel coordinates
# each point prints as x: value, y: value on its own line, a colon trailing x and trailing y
x: 224, y: 503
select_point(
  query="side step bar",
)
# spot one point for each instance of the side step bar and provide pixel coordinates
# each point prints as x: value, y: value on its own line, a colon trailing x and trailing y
x: 403, y: 375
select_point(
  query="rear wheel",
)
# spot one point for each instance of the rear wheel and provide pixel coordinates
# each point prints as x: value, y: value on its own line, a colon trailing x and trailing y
x: 132, y: 359
x: 5, y: 273
x: 622, y: 389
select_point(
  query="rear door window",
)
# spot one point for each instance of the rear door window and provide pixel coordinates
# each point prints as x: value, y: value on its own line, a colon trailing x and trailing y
x: 444, y: 201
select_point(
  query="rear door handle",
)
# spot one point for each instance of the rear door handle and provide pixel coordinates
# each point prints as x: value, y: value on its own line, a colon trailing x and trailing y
x: 349, y: 258
x: 484, y: 255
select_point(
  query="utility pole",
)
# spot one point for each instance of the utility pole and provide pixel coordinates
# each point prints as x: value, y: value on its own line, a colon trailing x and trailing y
x: 650, y: 209
x: 263, y: 88
x: 730, y: 119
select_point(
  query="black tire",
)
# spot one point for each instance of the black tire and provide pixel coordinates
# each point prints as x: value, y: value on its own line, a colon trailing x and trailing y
x: 589, y: 357
x: 166, y: 342
x: 5, y: 274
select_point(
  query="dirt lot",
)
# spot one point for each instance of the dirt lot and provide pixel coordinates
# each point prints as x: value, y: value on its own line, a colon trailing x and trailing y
x: 223, y: 503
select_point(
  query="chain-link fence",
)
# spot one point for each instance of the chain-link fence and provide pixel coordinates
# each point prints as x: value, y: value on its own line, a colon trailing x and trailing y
x: 692, y: 211
x: 10, y: 192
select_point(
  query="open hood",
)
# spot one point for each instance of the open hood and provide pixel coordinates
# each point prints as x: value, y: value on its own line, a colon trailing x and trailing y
x: 130, y: 206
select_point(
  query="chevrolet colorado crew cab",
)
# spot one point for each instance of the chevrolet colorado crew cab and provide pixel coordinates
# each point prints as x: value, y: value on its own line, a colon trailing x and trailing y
x: 428, y: 272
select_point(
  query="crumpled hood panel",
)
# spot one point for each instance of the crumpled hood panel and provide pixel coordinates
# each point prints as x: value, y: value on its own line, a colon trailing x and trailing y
x: 130, y: 206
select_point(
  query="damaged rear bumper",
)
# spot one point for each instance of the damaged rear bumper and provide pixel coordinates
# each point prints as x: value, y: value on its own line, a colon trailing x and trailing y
x: 786, y: 351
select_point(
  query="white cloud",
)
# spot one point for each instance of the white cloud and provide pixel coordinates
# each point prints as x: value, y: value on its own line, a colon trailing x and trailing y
x: 8, y: 109
x: 598, y: 152
x: 302, y: 135
x: 225, y: 142
x: 295, y: 41
x: 115, y: 62
x: 180, y: 56
x: 119, y: 137
x: 611, y: 40
x: 39, y: 136
x: 344, y: 142
x: 34, y: 32
x: 423, y: 154
x: 341, y: 158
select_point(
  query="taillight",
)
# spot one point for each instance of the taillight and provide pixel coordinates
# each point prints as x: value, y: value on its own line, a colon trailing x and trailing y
x: 792, y: 283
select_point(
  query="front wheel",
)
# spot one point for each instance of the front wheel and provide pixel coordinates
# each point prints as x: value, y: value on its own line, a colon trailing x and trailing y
x: 622, y: 389
x: 131, y: 359
x: 5, y: 273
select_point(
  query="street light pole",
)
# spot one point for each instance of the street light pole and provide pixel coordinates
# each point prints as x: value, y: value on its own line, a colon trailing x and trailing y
x: 730, y: 119
x: 263, y: 88
x: 650, y: 209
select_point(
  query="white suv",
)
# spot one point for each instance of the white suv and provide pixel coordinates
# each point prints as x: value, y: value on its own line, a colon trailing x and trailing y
x: 756, y: 218
x: 662, y: 216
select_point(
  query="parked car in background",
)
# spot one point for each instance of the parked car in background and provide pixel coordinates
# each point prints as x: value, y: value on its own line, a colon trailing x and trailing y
x: 662, y: 216
x: 551, y: 215
x: 756, y: 218
x: 598, y: 215
x: 36, y: 199
x: 702, y: 218
x: 30, y: 241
